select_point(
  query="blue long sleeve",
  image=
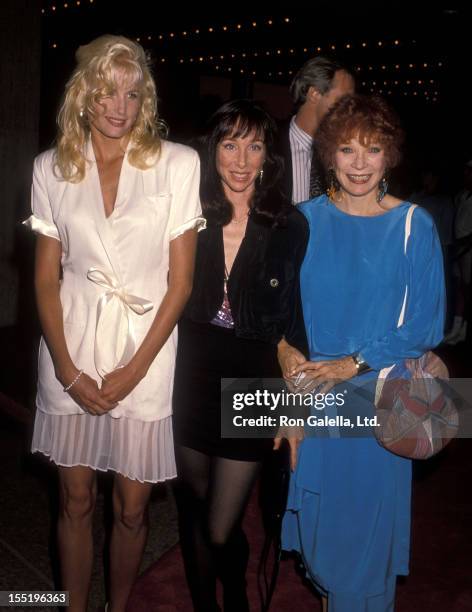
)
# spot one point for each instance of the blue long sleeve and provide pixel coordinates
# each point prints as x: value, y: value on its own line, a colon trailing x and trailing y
x: 424, y: 316
x: 353, y: 282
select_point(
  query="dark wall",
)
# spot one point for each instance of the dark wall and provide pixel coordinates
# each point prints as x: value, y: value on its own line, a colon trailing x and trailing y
x: 20, y: 50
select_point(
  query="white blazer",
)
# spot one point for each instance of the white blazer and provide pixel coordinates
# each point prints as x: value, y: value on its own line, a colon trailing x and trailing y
x: 115, y: 270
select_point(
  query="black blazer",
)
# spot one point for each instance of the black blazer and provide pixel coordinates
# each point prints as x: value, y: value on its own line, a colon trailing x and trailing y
x: 263, y: 286
x: 318, y: 175
x: 282, y: 147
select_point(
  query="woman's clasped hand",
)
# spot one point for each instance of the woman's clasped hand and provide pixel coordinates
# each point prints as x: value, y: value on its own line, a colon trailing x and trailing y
x: 90, y: 397
x: 115, y: 386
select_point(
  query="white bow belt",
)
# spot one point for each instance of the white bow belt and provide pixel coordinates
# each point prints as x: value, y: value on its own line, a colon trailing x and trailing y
x: 115, y: 341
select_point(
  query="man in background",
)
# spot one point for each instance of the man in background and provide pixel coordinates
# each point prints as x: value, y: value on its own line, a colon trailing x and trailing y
x: 463, y: 265
x: 318, y: 84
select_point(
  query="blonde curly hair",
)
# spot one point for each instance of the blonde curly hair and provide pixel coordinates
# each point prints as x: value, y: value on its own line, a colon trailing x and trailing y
x: 94, y: 77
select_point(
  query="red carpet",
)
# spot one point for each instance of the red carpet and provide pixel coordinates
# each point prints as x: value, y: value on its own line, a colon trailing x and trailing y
x: 441, y: 562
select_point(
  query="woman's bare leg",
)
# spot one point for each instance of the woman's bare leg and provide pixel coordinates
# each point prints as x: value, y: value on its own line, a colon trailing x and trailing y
x: 324, y: 604
x: 78, y: 492
x: 128, y: 538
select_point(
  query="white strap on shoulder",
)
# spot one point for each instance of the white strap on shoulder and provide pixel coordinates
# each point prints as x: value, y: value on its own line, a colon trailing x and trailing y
x: 385, y: 371
x: 408, y: 217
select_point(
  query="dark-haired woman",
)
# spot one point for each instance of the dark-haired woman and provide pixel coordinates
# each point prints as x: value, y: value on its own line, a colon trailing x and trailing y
x: 235, y: 324
x: 370, y: 299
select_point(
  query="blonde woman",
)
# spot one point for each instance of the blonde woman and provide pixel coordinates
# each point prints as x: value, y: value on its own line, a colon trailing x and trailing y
x: 116, y: 210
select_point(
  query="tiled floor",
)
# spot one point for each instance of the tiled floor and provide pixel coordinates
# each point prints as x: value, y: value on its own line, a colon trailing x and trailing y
x: 27, y: 507
x: 27, y: 484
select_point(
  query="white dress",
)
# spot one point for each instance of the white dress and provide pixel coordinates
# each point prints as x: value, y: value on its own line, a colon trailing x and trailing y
x: 114, y: 278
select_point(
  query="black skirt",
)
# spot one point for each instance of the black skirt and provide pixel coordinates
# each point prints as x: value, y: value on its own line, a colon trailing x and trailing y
x: 207, y: 353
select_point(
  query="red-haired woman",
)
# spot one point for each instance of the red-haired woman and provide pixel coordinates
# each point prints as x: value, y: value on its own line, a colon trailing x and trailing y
x: 349, y: 502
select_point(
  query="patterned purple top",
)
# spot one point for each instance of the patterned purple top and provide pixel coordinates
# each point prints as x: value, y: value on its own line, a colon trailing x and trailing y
x: 223, y: 317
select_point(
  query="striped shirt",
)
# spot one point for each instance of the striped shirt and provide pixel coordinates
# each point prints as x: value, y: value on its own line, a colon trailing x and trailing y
x: 301, y: 148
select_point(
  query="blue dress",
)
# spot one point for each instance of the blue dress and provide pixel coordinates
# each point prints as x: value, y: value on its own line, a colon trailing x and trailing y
x: 348, y: 510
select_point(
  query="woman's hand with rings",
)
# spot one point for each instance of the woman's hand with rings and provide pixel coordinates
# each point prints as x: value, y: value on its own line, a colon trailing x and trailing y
x: 323, y: 375
x: 289, y: 359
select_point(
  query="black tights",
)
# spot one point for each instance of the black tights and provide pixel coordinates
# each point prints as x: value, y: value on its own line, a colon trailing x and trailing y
x: 212, y: 494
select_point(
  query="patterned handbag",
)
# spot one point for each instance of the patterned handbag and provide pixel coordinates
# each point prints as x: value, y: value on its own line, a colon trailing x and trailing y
x: 415, y: 416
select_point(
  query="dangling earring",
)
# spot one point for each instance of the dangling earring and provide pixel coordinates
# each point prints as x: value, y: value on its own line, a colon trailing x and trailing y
x: 333, y: 185
x: 81, y: 113
x: 261, y: 174
x: 383, y: 186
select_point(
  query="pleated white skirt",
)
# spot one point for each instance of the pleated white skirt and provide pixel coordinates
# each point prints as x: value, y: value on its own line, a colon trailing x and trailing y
x: 139, y: 450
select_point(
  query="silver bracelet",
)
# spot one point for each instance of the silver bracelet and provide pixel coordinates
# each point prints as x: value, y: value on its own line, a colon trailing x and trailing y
x: 74, y: 381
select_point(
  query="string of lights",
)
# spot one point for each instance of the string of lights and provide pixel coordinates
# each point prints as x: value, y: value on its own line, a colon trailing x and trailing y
x: 426, y: 89
x: 261, y: 54
x: 313, y: 49
x: 266, y: 53
x: 239, y: 26
x: 261, y: 64
x: 271, y: 53
x: 66, y: 5
x: 414, y: 86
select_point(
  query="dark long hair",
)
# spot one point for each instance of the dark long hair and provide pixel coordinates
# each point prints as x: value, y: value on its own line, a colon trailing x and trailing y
x: 238, y: 118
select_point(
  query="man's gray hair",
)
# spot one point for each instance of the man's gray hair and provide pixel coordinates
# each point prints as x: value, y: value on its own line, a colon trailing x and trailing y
x: 317, y: 72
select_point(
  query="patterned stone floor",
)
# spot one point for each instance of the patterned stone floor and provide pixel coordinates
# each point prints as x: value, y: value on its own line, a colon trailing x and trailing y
x: 27, y: 508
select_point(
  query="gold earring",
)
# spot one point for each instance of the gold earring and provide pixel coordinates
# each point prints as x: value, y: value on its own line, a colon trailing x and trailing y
x: 332, y: 185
